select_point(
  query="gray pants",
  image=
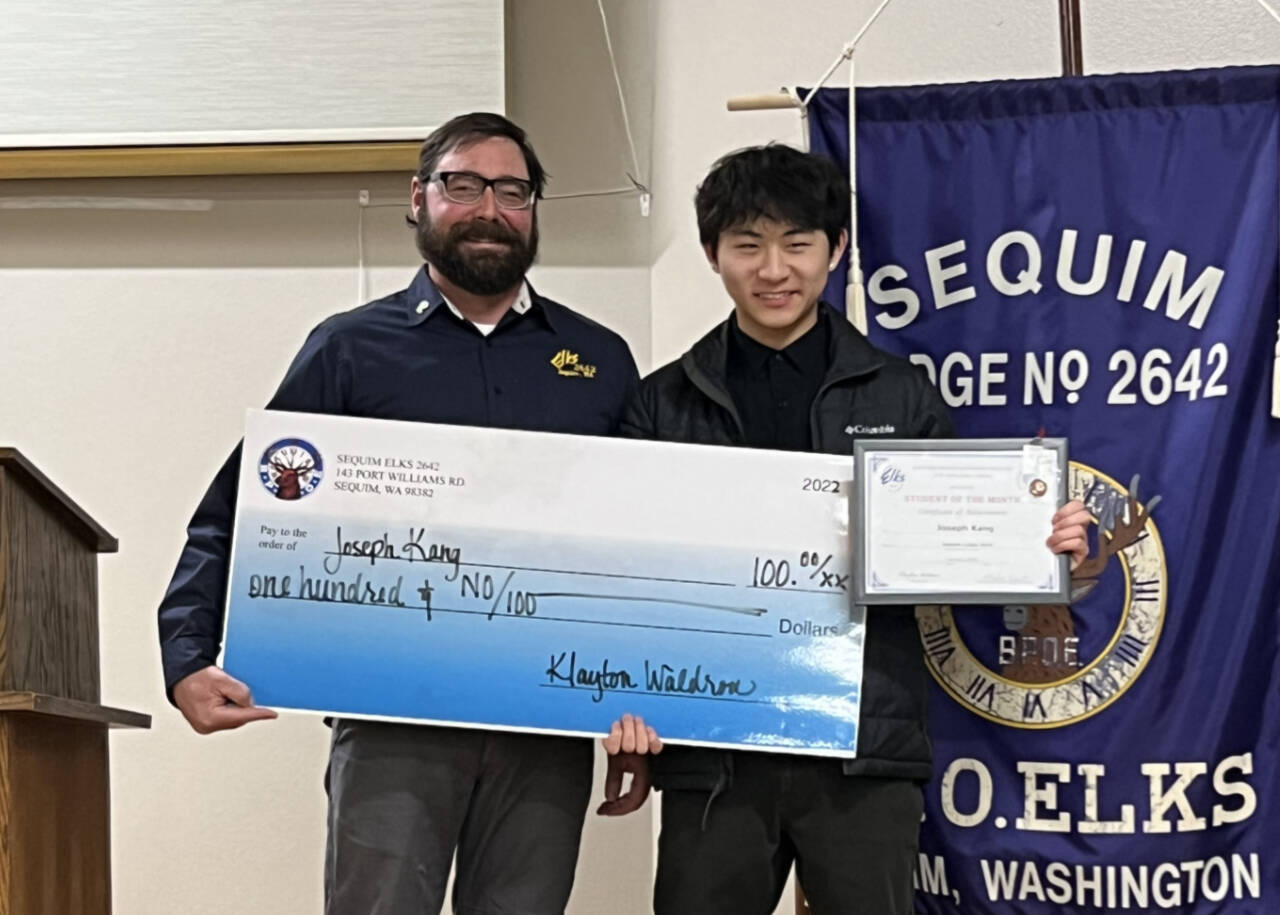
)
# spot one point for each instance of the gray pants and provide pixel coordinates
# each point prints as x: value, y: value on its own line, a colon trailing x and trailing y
x: 853, y: 840
x: 402, y: 798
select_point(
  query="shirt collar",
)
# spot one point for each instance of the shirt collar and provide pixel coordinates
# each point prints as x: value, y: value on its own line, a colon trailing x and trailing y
x: 521, y: 305
x: 424, y: 299
x: 804, y: 353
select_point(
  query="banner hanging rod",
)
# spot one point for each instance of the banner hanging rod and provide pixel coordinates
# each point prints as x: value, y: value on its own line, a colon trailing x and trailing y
x: 764, y: 102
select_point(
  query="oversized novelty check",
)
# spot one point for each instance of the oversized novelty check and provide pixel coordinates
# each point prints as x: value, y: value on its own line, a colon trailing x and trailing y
x: 539, y: 582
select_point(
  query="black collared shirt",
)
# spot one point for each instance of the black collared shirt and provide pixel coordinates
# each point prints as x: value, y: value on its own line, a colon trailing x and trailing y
x: 774, y: 389
x: 407, y: 357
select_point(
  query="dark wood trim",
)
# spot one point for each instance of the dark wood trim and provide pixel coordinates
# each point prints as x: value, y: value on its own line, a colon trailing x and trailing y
x: 245, y: 159
x: 1070, y: 38
x: 90, y: 531
x: 56, y: 707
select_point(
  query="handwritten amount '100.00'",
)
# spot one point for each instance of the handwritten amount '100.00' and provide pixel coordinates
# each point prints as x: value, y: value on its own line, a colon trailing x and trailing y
x: 811, y: 571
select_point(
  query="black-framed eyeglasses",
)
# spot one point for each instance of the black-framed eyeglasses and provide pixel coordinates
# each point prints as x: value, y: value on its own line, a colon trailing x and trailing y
x: 468, y: 187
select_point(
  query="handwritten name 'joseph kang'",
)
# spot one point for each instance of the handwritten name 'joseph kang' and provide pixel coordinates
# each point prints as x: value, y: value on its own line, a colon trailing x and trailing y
x: 382, y: 547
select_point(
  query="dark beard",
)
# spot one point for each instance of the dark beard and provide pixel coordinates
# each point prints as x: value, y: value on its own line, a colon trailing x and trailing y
x: 479, y: 272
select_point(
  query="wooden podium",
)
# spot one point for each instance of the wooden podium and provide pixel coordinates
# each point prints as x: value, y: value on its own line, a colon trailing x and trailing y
x: 55, y: 856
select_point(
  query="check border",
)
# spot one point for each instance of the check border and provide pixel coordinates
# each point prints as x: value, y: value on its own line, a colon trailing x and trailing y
x: 865, y: 449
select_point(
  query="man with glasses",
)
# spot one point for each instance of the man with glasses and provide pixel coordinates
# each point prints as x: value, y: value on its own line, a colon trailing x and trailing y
x: 468, y: 342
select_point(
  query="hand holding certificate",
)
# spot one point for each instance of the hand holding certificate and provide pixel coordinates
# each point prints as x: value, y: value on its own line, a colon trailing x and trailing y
x: 958, y: 521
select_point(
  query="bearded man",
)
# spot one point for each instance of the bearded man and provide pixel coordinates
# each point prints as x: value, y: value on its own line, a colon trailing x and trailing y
x: 468, y: 342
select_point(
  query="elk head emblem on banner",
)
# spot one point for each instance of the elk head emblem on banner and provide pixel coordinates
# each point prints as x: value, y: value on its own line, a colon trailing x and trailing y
x: 1046, y: 640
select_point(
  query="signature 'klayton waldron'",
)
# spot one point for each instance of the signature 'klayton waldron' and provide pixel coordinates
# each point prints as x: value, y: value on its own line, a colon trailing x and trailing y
x: 564, y: 671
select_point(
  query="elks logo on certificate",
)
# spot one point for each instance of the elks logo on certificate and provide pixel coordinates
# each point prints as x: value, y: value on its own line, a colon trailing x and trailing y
x: 541, y: 582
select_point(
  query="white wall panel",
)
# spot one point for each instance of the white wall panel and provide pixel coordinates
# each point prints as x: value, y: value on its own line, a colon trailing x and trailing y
x: 126, y: 72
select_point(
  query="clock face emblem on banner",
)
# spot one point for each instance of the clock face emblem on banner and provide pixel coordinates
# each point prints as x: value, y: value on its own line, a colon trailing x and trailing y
x: 1048, y: 666
x: 290, y: 469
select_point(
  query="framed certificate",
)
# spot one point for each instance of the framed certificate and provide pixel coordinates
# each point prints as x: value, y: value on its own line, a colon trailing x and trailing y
x: 958, y: 521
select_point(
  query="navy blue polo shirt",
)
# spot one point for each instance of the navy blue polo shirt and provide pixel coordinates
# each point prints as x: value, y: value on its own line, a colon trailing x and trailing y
x: 407, y: 357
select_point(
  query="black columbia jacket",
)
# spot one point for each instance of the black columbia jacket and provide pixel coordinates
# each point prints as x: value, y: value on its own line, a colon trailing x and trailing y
x: 866, y: 393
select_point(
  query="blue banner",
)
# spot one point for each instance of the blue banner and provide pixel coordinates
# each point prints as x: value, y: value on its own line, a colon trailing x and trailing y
x: 1096, y: 258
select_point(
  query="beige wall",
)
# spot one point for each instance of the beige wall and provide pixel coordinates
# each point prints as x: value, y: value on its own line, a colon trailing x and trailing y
x: 131, y: 340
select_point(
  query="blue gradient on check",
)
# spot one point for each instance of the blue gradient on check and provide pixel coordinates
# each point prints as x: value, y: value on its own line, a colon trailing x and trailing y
x: 547, y: 631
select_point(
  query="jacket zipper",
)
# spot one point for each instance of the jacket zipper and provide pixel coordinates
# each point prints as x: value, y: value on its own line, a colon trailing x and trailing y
x: 721, y: 398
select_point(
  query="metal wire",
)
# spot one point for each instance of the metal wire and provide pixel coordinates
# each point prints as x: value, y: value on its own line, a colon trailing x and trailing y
x: 847, y: 53
x: 622, y: 100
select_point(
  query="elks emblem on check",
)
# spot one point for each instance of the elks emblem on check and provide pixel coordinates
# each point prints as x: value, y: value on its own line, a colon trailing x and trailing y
x: 1037, y: 668
x: 568, y: 363
x: 290, y: 469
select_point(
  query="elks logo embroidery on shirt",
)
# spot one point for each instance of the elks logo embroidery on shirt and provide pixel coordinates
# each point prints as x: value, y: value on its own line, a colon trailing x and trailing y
x: 567, y: 363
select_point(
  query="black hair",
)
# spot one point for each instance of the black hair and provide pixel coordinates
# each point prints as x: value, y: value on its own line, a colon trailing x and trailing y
x: 466, y: 129
x: 776, y: 182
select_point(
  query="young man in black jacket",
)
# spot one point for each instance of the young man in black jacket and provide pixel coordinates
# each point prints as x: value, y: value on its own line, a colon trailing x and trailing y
x: 785, y: 372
